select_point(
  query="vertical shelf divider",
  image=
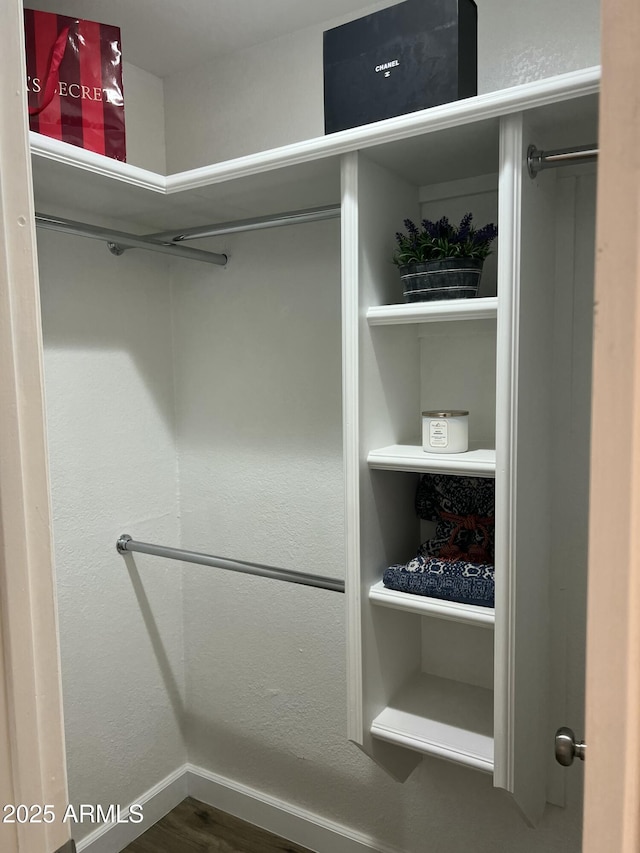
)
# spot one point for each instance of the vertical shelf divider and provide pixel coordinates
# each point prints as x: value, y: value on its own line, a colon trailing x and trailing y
x: 525, y: 346
x: 506, y: 396
x: 351, y: 441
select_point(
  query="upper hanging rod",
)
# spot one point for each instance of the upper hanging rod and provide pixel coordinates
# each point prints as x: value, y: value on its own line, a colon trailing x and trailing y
x: 276, y: 220
x: 118, y: 241
x: 538, y: 160
x: 126, y: 544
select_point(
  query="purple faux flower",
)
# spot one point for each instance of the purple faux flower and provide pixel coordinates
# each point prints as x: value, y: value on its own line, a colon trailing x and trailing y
x: 485, y: 235
x: 411, y: 228
x: 443, y: 227
x: 464, y: 228
x: 441, y: 239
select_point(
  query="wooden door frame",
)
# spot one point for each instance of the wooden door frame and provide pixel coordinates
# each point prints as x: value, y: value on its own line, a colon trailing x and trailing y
x: 612, y: 767
x: 32, y: 755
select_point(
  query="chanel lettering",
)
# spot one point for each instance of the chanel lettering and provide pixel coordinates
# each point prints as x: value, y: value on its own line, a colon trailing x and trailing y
x: 386, y: 65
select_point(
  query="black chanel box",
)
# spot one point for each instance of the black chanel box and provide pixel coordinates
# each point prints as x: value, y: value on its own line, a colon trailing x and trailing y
x: 417, y: 54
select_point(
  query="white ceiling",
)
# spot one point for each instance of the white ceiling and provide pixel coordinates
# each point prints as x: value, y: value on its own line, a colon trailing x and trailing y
x: 163, y: 36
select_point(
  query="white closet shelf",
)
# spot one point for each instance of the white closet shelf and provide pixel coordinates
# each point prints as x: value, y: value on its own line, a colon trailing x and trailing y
x: 68, y: 178
x: 410, y: 457
x: 441, y: 143
x: 444, y: 718
x: 469, y: 614
x: 485, y: 308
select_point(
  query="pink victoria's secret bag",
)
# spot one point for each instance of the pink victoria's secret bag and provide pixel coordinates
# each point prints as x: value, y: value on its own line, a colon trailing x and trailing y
x: 74, y: 82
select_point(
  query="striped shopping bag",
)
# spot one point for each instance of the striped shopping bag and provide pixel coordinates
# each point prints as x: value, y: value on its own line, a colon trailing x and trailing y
x: 74, y: 82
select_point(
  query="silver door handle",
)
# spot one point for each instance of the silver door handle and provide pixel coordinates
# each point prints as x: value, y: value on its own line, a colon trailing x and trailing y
x: 567, y: 748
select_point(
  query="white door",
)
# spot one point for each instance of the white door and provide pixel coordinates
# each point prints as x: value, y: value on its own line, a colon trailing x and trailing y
x: 612, y: 767
x: 33, y: 783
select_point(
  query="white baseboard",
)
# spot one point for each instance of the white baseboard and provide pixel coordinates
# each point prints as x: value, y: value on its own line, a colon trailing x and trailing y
x: 156, y: 803
x: 277, y: 816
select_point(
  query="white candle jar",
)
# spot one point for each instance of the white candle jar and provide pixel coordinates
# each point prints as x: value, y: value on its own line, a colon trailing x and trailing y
x: 445, y: 431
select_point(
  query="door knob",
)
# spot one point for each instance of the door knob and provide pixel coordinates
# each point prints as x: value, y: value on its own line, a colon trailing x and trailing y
x: 567, y: 748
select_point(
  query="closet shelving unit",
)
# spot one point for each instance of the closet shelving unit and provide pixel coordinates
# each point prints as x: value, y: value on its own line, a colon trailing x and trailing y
x: 425, y: 677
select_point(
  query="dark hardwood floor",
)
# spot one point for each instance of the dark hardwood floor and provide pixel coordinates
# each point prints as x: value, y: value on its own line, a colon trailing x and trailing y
x: 193, y: 827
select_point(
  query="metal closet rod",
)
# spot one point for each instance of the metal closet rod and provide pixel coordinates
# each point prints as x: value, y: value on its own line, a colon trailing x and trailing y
x: 276, y: 220
x: 538, y: 160
x: 169, y: 242
x: 118, y: 241
x: 126, y: 544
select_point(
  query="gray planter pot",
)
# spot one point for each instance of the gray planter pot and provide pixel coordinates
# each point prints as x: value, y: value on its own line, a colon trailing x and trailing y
x: 447, y: 278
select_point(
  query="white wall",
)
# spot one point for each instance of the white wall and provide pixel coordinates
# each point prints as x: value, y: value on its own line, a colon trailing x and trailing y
x: 573, y: 342
x: 272, y: 94
x: 109, y: 392
x: 258, y: 395
x: 144, y: 118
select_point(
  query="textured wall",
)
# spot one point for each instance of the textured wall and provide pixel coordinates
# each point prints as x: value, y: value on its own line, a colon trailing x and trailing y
x: 272, y: 94
x: 144, y: 118
x: 258, y: 388
x: 258, y: 393
x: 109, y: 391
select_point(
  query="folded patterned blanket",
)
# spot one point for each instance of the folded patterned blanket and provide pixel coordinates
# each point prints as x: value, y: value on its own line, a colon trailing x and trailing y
x: 451, y: 580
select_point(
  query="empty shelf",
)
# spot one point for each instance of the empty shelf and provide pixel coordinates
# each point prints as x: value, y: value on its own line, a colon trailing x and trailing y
x: 470, y: 614
x: 434, y: 312
x: 443, y: 718
x: 409, y: 457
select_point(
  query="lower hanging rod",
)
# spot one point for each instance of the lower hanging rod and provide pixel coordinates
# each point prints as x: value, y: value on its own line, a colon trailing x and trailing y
x: 118, y: 241
x: 538, y: 160
x: 126, y: 544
